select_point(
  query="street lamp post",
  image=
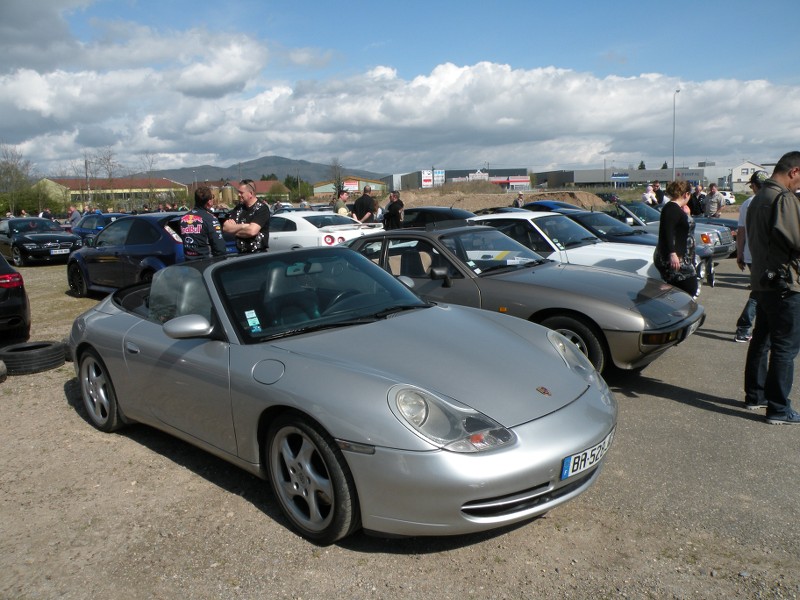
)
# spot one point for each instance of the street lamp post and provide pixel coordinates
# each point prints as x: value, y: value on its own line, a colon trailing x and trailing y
x: 674, y: 96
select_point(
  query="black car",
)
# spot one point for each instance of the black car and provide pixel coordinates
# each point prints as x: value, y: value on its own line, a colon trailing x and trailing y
x: 608, y: 197
x: 27, y: 239
x: 15, y: 310
x: 609, y: 229
x: 422, y: 216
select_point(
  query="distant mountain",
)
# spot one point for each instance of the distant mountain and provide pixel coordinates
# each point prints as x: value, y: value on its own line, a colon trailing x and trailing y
x: 254, y: 169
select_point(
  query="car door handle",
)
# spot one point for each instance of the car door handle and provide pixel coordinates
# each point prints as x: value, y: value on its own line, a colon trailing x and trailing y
x: 131, y: 347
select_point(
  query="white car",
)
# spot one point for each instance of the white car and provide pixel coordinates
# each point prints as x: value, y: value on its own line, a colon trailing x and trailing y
x: 305, y: 228
x: 729, y: 197
x: 557, y: 237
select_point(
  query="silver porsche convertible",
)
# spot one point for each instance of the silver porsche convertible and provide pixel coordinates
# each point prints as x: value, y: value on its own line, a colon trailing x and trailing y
x: 362, y: 405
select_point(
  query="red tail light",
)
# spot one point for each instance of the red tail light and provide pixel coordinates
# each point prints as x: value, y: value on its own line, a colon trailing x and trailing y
x: 12, y: 280
x: 328, y: 239
x: 340, y: 240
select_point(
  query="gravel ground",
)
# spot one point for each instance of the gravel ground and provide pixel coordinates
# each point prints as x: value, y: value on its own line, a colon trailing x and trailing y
x: 679, y: 511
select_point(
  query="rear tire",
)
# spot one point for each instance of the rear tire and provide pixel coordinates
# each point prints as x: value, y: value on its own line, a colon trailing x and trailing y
x: 76, y: 280
x: 97, y: 392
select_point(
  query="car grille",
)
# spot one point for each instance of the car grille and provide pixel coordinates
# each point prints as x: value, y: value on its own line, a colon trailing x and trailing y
x: 54, y: 245
x: 522, y: 501
x: 725, y: 236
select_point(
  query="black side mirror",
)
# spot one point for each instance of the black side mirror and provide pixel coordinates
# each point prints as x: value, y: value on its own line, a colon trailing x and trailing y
x: 441, y: 273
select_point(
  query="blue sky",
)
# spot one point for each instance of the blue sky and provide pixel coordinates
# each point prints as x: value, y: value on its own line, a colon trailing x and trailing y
x: 394, y: 87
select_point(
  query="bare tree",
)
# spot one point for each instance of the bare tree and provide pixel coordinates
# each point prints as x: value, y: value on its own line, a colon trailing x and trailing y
x: 149, y: 162
x: 336, y: 175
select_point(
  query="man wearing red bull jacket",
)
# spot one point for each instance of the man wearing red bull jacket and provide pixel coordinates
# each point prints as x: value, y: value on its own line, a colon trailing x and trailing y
x: 200, y: 230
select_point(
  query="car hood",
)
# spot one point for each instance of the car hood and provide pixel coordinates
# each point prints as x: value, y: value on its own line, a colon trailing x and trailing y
x: 44, y: 237
x: 506, y: 369
x: 613, y: 250
x: 658, y: 302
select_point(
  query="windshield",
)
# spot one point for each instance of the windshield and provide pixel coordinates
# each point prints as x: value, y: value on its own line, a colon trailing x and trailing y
x: 35, y: 226
x: 605, y: 224
x: 565, y: 233
x: 327, y: 219
x: 272, y: 296
x: 644, y: 212
x: 484, y: 249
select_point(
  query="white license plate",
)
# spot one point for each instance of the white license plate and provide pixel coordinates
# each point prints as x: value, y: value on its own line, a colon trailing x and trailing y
x: 692, y: 328
x: 60, y: 251
x: 578, y: 463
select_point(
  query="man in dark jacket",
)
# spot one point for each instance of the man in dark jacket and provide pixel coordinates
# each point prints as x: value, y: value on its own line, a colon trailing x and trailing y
x: 773, y: 235
x: 200, y: 230
x: 393, y: 215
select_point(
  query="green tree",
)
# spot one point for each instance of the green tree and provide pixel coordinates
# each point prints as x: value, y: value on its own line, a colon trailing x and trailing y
x: 15, y: 180
x: 270, y: 177
x: 641, y: 166
x: 665, y: 166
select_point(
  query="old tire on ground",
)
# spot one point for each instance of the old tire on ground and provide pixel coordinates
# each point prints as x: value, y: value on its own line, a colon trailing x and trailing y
x: 582, y: 336
x: 32, y: 357
x: 311, y: 480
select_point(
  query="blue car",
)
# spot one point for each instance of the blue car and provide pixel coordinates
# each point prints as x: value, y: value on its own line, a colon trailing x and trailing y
x: 550, y: 205
x: 128, y: 251
x: 94, y: 223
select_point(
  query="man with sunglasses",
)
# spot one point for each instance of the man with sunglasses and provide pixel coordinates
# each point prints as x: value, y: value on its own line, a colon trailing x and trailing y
x: 249, y: 220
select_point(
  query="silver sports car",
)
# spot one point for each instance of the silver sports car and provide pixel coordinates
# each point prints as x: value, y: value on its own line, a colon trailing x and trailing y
x: 361, y: 404
x: 615, y: 318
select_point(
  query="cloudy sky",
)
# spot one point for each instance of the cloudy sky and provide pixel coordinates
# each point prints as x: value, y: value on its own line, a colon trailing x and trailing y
x: 398, y: 86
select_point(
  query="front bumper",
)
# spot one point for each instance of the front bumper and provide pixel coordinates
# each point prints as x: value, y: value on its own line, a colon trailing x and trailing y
x: 445, y: 493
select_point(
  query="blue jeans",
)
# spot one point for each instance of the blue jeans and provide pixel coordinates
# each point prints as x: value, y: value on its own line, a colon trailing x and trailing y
x: 744, y: 324
x: 769, y: 370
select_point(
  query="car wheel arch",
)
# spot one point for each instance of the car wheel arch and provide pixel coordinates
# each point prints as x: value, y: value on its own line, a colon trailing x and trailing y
x: 556, y: 313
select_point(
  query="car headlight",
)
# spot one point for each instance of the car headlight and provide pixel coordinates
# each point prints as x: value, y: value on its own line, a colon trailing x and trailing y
x: 578, y: 362
x: 447, y: 424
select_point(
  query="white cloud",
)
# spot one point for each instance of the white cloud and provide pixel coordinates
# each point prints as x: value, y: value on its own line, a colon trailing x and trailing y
x: 198, y: 96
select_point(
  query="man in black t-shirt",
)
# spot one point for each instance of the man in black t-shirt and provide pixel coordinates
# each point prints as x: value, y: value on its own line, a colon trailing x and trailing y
x: 249, y: 220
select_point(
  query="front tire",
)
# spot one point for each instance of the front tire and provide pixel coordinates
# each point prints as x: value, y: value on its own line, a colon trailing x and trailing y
x: 97, y: 391
x: 583, y: 336
x: 311, y: 480
x: 76, y: 280
x: 17, y: 257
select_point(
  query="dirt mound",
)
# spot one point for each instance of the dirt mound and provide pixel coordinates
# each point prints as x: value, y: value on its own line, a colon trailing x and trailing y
x: 477, y: 201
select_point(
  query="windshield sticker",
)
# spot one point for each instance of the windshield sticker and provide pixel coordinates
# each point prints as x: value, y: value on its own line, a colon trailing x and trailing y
x: 558, y: 244
x: 252, y: 321
x: 471, y: 264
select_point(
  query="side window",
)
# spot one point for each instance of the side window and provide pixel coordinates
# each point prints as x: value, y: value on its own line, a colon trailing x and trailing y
x: 416, y: 258
x: 281, y: 224
x: 116, y: 235
x: 372, y: 251
x: 537, y: 242
x: 142, y: 232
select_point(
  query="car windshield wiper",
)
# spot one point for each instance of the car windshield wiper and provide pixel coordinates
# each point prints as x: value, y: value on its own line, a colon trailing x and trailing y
x: 391, y: 310
x: 582, y: 241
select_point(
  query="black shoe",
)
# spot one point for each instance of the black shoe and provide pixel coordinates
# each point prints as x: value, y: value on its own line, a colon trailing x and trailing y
x: 755, y: 405
x: 790, y: 418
